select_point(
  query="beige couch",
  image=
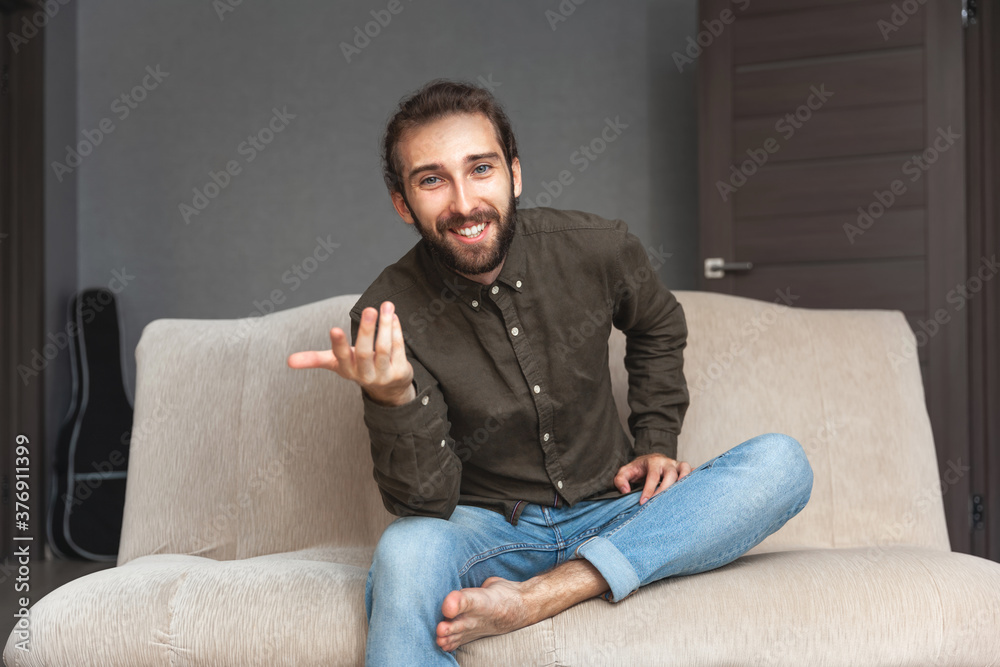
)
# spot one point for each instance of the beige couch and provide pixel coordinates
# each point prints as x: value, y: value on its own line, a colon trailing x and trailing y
x: 251, y: 514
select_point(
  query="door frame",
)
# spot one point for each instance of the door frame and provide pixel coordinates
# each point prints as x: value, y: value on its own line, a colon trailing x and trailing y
x: 982, y: 59
x: 22, y: 275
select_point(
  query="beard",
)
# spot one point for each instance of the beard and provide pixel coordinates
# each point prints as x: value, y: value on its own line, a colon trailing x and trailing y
x: 473, y: 260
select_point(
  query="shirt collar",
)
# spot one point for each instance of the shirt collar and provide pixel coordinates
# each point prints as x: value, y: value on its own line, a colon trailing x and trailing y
x: 512, y: 273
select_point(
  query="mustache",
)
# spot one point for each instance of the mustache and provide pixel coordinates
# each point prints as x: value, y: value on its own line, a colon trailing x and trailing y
x: 459, y: 220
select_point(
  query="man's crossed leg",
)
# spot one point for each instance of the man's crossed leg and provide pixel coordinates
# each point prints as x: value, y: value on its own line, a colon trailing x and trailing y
x: 703, y: 521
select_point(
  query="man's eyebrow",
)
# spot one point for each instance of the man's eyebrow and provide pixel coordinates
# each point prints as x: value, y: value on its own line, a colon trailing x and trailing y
x: 469, y: 158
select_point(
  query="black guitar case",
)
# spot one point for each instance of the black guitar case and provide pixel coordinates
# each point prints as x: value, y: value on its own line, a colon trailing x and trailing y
x: 91, y: 459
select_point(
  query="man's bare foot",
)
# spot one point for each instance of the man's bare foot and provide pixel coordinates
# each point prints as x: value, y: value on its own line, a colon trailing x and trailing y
x: 495, y: 609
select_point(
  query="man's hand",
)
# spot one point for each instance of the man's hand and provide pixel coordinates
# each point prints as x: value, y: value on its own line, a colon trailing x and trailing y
x: 379, y: 365
x: 660, y: 472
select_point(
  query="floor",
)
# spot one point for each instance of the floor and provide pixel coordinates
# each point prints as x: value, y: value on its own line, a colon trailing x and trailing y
x: 45, y: 576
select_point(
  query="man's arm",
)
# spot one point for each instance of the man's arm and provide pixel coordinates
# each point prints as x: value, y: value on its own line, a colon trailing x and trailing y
x: 656, y: 334
x: 414, y: 460
x: 415, y: 466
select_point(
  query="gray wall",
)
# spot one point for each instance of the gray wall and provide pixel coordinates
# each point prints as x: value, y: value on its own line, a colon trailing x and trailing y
x: 319, y: 177
x: 60, y: 209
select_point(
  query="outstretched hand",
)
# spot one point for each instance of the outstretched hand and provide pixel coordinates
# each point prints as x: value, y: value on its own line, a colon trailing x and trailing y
x: 377, y: 363
x: 659, y: 470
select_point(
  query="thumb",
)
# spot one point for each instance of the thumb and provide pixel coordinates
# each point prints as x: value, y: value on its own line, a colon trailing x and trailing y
x: 312, y: 359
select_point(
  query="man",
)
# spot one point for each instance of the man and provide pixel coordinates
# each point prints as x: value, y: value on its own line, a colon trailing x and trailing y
x: 482, y: 356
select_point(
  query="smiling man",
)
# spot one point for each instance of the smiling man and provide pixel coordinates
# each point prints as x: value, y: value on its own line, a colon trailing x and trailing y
x: 517, y: 491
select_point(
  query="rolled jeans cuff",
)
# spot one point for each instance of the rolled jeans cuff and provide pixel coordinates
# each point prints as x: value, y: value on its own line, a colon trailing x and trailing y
x: 613, y: 566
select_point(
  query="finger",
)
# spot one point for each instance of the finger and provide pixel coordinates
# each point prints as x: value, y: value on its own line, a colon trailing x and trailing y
x: 649, y: 489
x: 622, y: 479
x: 383, y: 339
x: 398, y: 343
x: 312, y: 359
x: 669, y: 477
x: 685, y: 470
x: 626, y: 474
x: 343, y: 352
x: 364, y: 349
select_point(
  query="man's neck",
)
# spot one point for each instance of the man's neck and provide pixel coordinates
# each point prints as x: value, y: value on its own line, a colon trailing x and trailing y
x: 486, y: 278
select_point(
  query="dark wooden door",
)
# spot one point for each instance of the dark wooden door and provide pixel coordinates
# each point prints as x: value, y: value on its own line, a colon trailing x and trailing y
x: 22, y: 169
x: 832, y: 161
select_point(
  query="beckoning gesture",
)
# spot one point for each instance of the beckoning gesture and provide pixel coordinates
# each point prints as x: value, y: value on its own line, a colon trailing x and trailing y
x: 377, y: 363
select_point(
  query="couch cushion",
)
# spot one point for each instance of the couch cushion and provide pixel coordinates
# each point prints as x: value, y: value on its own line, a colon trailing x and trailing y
x: 838, y: 381
x: 302, y: 608
x: 823, y: 607
x: 235, y: 455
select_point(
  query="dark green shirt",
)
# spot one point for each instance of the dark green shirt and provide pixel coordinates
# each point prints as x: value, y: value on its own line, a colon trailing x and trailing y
x: 514, y: 401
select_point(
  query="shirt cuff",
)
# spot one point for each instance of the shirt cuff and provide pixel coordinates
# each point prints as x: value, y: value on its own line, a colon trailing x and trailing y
x: 389, y: 418
x: 654, y: 441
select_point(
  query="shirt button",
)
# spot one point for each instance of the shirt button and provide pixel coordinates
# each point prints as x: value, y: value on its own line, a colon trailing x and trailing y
x: 518, y: 283
x: 559, y: 484
x: 545, y: 437
x: 442, y: 443
x: 495, y: 289
x: 514, y: 331
x: 425, y: 400
x: 475, y: 304
x: 537, y: 389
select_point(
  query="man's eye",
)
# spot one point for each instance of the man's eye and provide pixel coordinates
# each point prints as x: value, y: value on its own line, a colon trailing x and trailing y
x: 428, y: 180
x: 482, y: 169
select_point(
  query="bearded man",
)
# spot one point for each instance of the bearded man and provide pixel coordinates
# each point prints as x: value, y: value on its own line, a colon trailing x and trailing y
x: 482, y: 358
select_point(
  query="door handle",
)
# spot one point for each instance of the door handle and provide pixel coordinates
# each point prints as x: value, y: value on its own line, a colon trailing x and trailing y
x: 716, y: 267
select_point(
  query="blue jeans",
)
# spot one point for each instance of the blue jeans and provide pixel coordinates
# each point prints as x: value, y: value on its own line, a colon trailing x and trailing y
x: 718, y: 512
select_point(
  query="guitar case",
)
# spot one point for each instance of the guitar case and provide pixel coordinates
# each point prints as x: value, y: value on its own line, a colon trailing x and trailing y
x: 87, y: 500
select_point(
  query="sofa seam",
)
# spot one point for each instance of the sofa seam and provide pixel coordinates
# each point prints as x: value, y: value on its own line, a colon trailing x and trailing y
x: 937, y: 591
x: 170, y: 618
x: 242, y: 420
x: 835, y: 511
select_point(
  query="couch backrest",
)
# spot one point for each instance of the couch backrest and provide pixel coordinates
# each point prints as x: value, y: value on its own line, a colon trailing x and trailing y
x: 235, y: 455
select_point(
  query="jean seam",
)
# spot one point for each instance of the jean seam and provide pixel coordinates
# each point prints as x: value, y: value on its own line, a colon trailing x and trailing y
x: 554, y: 526
x: 486, y: 555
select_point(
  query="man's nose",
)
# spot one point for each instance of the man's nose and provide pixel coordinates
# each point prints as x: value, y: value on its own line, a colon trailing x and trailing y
x: 463, y: 199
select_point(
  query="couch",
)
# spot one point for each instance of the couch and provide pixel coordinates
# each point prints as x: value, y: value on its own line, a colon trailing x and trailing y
x: 251, y: 513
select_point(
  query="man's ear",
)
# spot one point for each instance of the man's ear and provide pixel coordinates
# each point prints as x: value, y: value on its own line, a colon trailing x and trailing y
x: 515, y: 170
x: 402, y: 209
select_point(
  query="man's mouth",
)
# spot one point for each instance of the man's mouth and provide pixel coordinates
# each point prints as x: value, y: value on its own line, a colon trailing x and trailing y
x: 472, y: 232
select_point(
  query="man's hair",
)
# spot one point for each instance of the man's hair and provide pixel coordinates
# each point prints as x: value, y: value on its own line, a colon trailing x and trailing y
x: 437, y: 99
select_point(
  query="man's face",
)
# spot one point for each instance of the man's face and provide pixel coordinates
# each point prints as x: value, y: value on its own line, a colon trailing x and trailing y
x: 460, y: 193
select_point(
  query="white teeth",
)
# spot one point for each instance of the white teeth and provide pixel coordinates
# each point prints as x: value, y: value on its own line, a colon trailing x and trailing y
x: 475, y: 230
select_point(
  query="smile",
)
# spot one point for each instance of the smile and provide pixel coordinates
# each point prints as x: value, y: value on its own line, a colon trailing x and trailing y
x: 472, y: 232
